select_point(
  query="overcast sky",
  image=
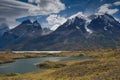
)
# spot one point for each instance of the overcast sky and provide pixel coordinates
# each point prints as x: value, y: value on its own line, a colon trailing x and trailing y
x: 53, y: 13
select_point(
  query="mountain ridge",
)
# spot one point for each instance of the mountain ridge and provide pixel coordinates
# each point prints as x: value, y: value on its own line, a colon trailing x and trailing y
x: 100, y: 31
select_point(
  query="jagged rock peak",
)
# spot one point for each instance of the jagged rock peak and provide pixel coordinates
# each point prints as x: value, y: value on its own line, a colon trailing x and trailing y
x: 27, y: 21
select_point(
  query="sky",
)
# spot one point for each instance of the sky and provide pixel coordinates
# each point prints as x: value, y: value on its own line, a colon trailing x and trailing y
x: 53, y: 13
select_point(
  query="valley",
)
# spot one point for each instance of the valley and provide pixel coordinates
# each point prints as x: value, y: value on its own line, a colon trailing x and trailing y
x: 104, y: 65
x: 59, y: 39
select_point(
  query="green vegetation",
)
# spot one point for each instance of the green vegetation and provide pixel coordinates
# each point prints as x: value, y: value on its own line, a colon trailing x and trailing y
x: 104, y: 66
x: 49, y: 64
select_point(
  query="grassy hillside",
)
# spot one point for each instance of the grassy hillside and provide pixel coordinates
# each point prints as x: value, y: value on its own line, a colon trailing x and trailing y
x: 104, y: 66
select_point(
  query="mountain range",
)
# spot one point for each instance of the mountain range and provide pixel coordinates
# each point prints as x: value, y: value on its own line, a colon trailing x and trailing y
x: 77, y: 33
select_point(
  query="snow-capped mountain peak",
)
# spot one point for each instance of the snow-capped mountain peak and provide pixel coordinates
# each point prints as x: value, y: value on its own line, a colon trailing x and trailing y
x: 79, y: 15
x: 79, y: 32
x: 92, y: 23
x: 106, y: 17
x: 103, y: 22
x: 36, y: 23
x: 26, y: 22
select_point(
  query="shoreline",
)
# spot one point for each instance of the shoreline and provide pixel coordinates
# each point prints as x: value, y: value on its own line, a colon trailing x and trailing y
x: 105, y: 65
x: 8, y: 57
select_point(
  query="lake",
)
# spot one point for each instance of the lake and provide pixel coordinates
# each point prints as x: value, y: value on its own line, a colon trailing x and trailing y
x: 38, y: 51
x: 28, y: 65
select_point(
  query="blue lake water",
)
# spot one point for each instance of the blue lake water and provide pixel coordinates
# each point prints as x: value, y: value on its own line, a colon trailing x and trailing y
x: 28, y: 65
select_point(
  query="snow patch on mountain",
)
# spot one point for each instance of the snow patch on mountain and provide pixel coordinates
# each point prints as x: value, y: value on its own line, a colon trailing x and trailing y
x: 117, y: 19
x: 81, y: 16
x: 88, y: 21
x: 87, y: 29
x: 105, y: 28
x: 77, y: 27
x: 69, y: 21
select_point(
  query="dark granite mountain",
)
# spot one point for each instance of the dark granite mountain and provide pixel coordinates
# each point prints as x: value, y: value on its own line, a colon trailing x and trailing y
x: 21, y: 34
x: 3, y: 28
x: 46, y: 31
x: 78, y: 33
x: 27, y: 29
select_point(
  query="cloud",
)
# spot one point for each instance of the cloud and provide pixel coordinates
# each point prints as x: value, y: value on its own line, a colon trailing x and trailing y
x: 12, y: 9
x: 55, y: 21
x: 106, y: 9
x: 47, y: 7
x: 117, y: 3
x: 34, y: 1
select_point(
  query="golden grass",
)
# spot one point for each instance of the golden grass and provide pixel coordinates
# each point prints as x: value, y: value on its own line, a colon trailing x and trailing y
x: 6, y: 57
x: 104, y: 66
